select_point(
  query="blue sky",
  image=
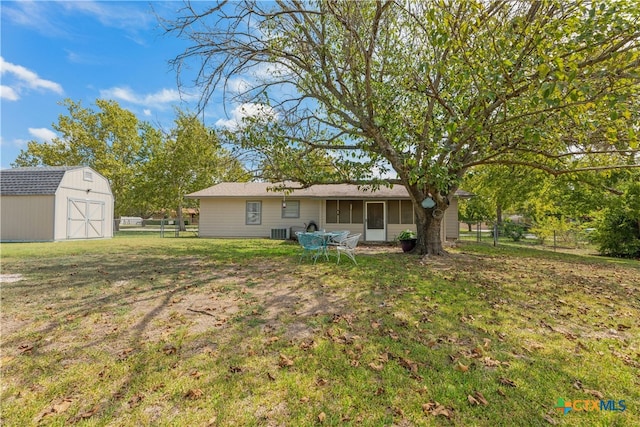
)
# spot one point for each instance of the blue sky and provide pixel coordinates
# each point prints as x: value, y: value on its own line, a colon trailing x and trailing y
x: 85, y: 50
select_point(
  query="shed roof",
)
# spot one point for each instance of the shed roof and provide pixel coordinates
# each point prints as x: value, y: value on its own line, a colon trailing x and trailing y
x: 32, y: 181
x: 320, y: 191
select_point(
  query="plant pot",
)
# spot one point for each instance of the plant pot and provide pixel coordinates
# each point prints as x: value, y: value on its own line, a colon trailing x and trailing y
x: 408, y: 244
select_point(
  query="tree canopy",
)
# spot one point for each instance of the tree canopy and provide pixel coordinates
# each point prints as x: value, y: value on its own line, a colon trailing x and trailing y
x: 428, y: 90
x: 148, y: 170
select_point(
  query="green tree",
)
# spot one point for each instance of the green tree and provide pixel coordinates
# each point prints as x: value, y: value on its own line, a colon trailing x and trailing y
x: 430, y: 90
x: 111, y: 140
x: 188, y: 159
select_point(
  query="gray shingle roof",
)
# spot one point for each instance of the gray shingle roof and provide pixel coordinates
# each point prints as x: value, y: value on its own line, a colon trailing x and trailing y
x: 32, y: 181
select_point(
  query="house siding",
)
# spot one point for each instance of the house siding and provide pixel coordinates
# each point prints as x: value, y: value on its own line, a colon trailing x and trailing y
x: 27, y: 218
x: 225, y: 217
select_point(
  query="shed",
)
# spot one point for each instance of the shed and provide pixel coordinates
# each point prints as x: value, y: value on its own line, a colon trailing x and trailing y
x: 53, y: 203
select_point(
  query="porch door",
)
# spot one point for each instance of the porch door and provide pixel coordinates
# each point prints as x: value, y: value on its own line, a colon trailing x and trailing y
x: 375, y: 229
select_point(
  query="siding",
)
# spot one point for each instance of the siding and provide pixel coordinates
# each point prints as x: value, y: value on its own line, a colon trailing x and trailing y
x: 225, y: 217
x: 74, y: 186
x: 27, y: 218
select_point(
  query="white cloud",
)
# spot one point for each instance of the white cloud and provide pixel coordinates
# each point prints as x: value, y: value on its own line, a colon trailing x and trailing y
x: 247, y: 110
x: 146, y: 112
x: 24, y: 78
x: 43, y: 134
x: 8, y: 93
x: 157, y: 99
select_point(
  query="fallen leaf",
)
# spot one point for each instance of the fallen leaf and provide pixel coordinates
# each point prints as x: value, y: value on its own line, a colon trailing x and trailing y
x: 462, y: 368
x: 322, y: 416
x: 196, y: 374
x: 62, y: 406
x: 435, y: 409
x: 194, y: 393
x: 270, y: 376
x: 550, y: 420
x: 375, y: 367
x: 321, y: 382
x: 169, y: 349
x: 135, y: 399
x: 472, y: 400
x: 507, y: 381
x: 235, y: 369
x: 25, y: 348
x: 480, y: 398
x: 285, y: 361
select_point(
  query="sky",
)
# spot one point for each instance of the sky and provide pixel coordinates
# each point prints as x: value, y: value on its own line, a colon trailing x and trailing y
x: 88, y: 50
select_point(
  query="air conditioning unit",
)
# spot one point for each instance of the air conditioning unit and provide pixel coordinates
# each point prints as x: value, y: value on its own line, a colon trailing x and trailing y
x: 279, y: 233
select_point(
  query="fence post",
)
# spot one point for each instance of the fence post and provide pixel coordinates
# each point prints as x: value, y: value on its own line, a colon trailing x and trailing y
x: 495, y: 234
x: 478, y: 233
x: 162, y: 227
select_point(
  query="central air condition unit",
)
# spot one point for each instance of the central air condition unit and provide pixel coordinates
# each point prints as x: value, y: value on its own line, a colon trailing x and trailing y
x: 279, y: 233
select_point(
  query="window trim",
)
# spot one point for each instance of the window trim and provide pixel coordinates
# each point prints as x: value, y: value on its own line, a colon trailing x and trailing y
x: 259, y: 212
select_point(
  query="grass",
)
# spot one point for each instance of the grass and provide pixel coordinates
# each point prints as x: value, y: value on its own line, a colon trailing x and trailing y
x: 150, y: 331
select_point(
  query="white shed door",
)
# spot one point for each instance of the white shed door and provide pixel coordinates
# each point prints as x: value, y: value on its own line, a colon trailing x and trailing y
x: 85, y: 219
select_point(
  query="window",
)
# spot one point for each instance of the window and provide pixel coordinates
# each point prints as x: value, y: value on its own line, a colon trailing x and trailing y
x: 344, y: 211
x: 87, y: 176
x: 291, y: 209
x: 254, y: 213
x: 400, y: 212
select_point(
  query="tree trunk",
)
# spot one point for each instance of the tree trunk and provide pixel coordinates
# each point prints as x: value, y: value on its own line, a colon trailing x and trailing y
x: 180, y: 219
x: 429, y: 237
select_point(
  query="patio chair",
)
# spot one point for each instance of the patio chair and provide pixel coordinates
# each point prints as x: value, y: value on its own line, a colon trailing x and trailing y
x: 348, y: 247
x: 312, y: 245
x: 338, y: 237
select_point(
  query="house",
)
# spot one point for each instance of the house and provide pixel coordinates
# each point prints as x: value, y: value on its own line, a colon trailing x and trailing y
x: 253, y: 209
x: 39, y: 204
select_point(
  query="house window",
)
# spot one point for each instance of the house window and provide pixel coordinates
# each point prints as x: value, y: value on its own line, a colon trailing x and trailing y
x: 87, y: 176
x: 344, y: 211
x: 254, y: 213
x: 291, y: 209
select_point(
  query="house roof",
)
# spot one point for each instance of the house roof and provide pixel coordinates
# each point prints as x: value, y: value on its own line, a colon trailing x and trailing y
x: 32, y: 181
x: 321, y: 191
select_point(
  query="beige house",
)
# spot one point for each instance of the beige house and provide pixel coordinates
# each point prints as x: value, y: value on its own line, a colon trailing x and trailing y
x: 54, y: 203
x: 253, y: 209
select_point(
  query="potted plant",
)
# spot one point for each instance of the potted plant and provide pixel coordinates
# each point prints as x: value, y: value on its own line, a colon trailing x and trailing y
x: 407, y: 239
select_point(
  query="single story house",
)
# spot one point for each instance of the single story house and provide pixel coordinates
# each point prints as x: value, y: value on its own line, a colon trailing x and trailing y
x: 252, y: 209
x: 40, y: 204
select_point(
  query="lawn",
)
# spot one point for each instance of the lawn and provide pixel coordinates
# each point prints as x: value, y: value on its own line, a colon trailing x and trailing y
x: 195, y: 332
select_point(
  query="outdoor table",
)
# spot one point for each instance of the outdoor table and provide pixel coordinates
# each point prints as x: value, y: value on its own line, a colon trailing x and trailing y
x: 326, y: 238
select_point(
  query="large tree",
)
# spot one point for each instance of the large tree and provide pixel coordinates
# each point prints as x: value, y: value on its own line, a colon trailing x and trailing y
x: 111, y: 140
x: 189, y: 158
x: 428, y: 89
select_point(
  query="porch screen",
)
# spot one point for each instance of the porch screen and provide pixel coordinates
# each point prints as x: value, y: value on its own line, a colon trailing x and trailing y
x: 344, y: 211
x: 400, y: 212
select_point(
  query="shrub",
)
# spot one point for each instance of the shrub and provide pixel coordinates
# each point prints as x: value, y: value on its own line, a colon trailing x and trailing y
x: 618, y: 234
x: 513, y: 230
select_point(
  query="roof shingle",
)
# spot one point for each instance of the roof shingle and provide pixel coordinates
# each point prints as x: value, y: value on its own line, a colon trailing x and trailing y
x: 32, y: 181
